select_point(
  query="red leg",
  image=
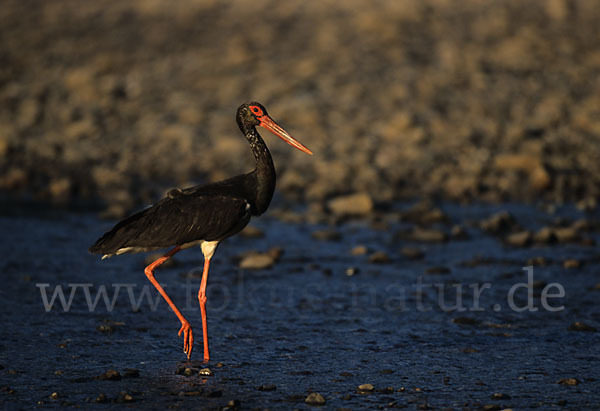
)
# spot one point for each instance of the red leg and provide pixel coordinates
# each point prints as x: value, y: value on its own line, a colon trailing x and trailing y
x: 202, y: 301
x: 188, y: 338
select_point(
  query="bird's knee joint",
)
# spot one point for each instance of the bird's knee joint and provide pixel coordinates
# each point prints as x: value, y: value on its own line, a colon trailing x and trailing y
x: 202, y: 298
x: 148, y: 272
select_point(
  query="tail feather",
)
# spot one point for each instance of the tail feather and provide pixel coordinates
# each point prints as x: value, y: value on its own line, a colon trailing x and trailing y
x: 118, y: 236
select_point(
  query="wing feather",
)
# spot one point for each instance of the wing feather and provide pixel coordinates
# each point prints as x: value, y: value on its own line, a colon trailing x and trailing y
x: 176, y: 220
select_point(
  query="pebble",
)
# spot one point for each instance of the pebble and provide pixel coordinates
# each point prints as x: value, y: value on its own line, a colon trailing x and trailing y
x: 233, y: 405
x: 205, y: 372
x: 458, y: 232
x: 359, y: 250
x: 412, y: 253
x: 125, y: 397
x: 314, y: 398
x: 326, y: 235
x: 359, y: 204
x: 379, y: 257
x: 498, y: 223
x: 351, y: 271
x: 571, y: 263
x: 252, y: 232
x: 580, y: 326
x: 566, y: 235
x: 257, y: 261
x: 539, y: 261
x: 428, y: 235
x: 54, y: 395
x: 500, y: 396
x: 366, y: 388
x: 437, y: 270
x: 101, y: 398
x: 423, y: 213
x: 568, y: 381
x: 545, y: 236
x: 520, y: 239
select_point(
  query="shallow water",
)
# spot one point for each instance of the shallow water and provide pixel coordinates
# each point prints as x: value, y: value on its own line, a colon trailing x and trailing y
x: 304, y: 325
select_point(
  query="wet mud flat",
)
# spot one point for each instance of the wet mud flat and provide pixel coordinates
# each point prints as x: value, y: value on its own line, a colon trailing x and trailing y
x: 366, y: 315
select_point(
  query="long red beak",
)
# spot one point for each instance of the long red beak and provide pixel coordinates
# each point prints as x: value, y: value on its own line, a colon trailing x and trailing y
x: 268, y: 123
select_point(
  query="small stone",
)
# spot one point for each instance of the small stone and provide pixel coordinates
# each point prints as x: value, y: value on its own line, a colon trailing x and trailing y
x: 252, y: 232
x: 520, y: 239
x: 257, y: 261
x: 437, y: 270
x: 583, y: 224
x: 412, y: 253
x: 579, y: 326
x: 234, y: 404
x: 540, y: 261
x: 267, y: 387
x: 498, y: 223
x: 101, y: 398
x: 188, y: 371
x: 379, y: 257
x: 500, y: 396
x: 366, y: 387
x: 359, y: 204
x: 458, y: 232
x: 359, y: 250
x: 571, y: 263
x: 314, y: 398
x: 110, y: 375
x: 545, y: 236
x: 326, y: 235
x: 568, y: 381
x: 54, y: 395
x: 566, y: 235
x: 205, y: 372
x: 350, y: 271
x: 428, y: 235
x: 105, y: 328
x: 125, y: 397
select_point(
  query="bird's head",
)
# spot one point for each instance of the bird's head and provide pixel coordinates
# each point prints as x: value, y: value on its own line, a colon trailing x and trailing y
x: 255, y: 114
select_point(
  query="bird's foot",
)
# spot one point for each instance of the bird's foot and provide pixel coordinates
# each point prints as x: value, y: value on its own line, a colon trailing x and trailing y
x: 188, y: 338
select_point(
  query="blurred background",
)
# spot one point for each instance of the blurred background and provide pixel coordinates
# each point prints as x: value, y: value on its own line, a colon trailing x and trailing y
x: 109, y: 103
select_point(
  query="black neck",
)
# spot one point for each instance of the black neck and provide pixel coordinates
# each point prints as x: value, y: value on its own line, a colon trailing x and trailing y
x: 263, y: 175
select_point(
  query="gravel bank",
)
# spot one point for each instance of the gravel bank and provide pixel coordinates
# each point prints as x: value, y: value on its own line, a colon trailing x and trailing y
x: 111, y: 102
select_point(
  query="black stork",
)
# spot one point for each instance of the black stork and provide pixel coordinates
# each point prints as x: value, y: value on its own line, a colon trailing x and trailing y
x: 202, y: 215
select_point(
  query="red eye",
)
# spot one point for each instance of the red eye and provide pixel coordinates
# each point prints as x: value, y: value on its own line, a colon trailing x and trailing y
x: 256, y: 111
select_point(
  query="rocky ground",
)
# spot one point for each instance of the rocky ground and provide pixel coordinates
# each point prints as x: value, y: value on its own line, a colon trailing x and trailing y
x: 110, y: 103
x: 303, y: 316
